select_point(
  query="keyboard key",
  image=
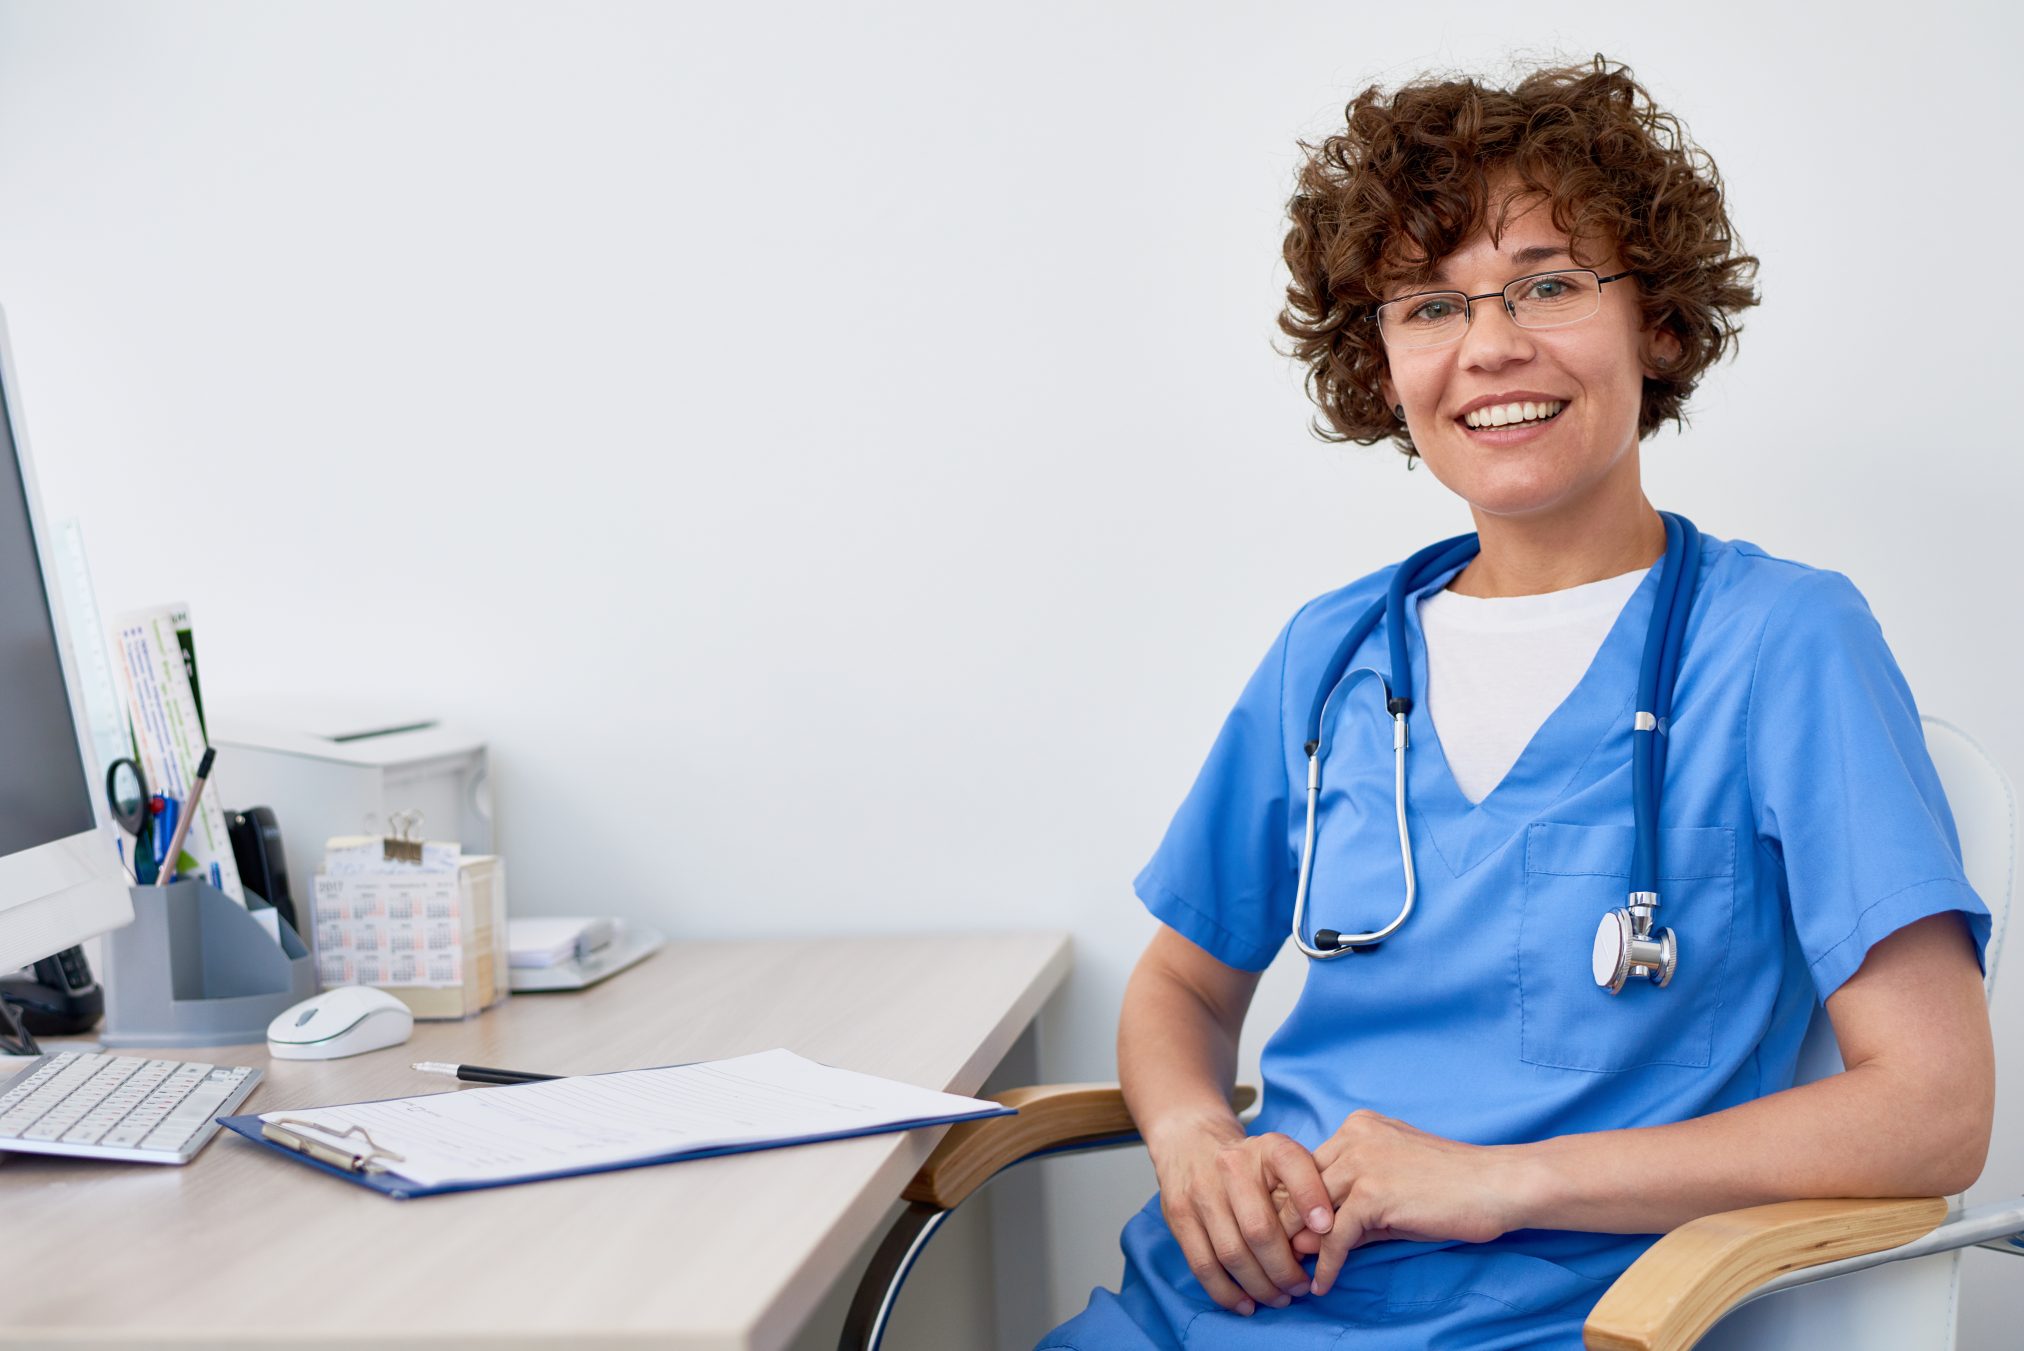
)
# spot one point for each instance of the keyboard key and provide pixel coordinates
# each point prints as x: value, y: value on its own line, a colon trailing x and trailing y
x: 193, y: 1112
x: 203, y: 1101
x: 25, y: 1087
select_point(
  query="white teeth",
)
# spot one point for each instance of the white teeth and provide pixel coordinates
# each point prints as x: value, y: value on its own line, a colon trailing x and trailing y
x: 1506, y: 414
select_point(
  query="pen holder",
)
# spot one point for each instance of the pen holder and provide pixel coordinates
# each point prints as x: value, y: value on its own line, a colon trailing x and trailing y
x: 196, y: 969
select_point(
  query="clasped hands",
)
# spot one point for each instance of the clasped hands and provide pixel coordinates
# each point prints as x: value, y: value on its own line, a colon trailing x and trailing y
x: 1247, y: 1209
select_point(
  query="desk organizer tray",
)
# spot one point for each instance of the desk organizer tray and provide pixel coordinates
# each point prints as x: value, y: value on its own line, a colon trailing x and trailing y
x: 195, y: 968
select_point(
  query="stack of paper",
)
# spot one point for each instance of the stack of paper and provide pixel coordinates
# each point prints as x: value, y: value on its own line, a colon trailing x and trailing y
x: 432, y: 933
x: 540, y: 943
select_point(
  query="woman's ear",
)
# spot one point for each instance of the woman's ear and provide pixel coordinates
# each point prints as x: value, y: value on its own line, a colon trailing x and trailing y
x: 1662, y: 350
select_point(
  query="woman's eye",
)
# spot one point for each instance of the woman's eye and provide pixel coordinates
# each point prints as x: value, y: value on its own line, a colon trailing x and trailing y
x: 1548, y: 288
x: 1431, y: 311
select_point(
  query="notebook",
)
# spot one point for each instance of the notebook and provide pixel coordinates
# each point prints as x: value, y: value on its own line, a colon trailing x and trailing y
x: 495, y: 1137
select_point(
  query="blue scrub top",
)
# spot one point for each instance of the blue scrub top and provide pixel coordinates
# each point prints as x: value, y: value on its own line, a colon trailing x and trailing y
x: 1802, y: 822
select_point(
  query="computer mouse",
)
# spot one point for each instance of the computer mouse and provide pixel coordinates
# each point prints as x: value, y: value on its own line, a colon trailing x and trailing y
x: 346, y: 1020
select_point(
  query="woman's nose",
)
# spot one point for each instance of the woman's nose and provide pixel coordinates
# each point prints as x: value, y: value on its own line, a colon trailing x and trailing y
x: 1493, y: 338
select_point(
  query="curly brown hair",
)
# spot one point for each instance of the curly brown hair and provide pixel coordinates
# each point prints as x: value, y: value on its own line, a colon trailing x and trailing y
x: 1407, y: 181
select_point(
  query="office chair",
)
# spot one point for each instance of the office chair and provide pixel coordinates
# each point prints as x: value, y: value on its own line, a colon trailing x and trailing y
x: 1901, y: 1259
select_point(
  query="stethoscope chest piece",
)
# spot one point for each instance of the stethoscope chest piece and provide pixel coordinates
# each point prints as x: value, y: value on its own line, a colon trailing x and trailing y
x: 1622, y: 951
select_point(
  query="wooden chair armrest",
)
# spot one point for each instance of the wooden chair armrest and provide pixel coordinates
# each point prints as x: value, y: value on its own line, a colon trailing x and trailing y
x: 1685, y: 1282
x: 1051, y: 1116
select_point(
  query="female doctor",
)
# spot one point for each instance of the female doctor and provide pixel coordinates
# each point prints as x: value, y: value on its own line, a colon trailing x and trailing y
x: 1473, y: 1125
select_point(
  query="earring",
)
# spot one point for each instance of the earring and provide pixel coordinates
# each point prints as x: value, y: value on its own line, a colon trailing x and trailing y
x: 1399, y: 411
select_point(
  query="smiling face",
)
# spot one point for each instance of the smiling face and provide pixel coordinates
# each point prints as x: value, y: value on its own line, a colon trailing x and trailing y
x: 1534, y: 462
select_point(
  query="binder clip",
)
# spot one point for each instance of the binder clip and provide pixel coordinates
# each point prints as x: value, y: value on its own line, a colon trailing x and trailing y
x: 404, y: 844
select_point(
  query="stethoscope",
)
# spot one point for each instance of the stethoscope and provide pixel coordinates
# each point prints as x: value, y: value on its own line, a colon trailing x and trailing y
x: 1625, y: 944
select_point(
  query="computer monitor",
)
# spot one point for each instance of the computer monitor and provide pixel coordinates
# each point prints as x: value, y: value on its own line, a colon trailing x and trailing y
x: 61, y: 880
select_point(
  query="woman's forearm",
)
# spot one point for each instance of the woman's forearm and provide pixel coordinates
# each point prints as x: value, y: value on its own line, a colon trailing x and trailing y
x: 1910, y: 1116
x: 1863, y: 1132
x: 1176, y: 1060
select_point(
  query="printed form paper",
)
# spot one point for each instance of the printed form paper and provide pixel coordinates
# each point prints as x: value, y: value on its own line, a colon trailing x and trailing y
x: 498, y: 1134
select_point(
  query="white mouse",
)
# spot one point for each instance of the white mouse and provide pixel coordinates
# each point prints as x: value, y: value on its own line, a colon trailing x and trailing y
x: 347, y: 1020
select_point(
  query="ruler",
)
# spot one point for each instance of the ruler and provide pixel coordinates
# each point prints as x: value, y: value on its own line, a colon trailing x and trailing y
x: 104, y: 709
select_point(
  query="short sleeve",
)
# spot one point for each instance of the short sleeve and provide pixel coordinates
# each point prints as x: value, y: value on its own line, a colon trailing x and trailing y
x: 1223, y: 876
x: 1845, y: 793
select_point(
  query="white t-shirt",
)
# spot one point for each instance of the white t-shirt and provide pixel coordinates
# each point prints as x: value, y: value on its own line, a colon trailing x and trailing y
x: 1496, y: 669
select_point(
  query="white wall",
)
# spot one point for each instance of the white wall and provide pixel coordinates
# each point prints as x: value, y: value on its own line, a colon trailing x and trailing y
x: 836, y: 453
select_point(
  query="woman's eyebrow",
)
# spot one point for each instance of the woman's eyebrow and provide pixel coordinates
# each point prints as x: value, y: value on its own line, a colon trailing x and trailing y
x: 1525, y: 257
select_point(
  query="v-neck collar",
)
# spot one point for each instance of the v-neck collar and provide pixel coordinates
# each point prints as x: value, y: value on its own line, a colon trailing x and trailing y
x: 1560, y: 752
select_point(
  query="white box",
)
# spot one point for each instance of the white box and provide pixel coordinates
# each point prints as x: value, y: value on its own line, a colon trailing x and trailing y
x: 343, y: 771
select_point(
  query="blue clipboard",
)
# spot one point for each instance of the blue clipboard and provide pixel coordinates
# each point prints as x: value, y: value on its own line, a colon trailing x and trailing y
x: 340, y: 1158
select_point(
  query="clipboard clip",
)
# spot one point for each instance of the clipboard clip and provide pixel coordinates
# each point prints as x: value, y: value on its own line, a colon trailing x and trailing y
x: 288, y: 1133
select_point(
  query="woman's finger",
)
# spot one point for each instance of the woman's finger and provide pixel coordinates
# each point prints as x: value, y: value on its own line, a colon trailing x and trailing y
x: 1335, y: 1246
x: 1298, y: 1173
x: 1201, y: 1255
x: 1290, y: 1221
x: 1253, y: 1212
x: 1227, y: 1241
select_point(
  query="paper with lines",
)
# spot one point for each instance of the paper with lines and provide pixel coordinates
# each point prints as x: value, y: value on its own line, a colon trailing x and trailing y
x: 501, y: 1134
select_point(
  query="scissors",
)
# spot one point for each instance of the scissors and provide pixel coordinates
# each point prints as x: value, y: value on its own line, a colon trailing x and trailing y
x: 126, y: 793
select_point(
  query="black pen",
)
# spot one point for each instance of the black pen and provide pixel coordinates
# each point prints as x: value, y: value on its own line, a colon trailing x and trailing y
x: 479, y: 1074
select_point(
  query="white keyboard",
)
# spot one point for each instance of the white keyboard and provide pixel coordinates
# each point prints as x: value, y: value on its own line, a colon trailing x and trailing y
x: 93, y: 1106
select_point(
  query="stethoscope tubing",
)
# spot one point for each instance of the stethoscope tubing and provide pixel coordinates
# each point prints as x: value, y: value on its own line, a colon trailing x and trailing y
x: 1345, y: 942
x: 1657, y: 672
x: 1656, y: 676
x: 1431, y: 561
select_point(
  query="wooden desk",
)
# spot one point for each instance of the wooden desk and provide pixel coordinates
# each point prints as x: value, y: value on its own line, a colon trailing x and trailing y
x: 241, y: 1248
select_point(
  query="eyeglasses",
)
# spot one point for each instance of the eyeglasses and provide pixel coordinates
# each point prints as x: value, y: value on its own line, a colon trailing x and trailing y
x: 1542, y: 300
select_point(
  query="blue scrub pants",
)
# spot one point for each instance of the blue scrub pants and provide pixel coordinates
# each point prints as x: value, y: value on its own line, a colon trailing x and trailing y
x: 1460, y: 1299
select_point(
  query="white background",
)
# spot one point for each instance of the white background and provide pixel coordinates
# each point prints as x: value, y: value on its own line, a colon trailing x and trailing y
x: 837, y: 454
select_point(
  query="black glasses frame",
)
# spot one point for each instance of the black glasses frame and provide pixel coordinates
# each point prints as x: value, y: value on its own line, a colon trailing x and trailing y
x: 1502, y: 293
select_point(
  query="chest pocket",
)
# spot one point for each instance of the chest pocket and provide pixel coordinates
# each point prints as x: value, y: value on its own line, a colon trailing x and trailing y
x: 1573, y: 876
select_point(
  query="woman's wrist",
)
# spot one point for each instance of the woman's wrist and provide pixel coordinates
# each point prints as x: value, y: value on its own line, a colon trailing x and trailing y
x: 1522, y: 1178
x: 1181, y: 1128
